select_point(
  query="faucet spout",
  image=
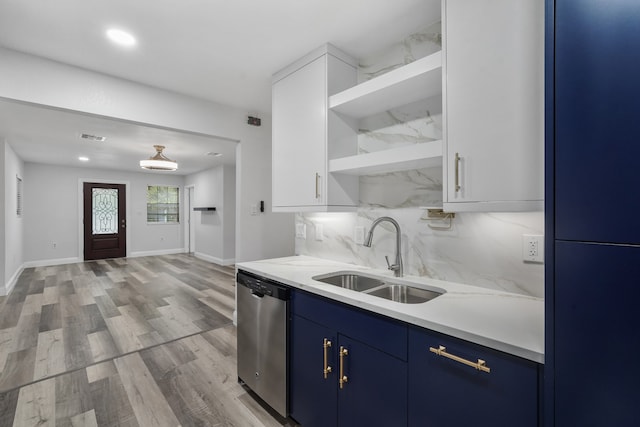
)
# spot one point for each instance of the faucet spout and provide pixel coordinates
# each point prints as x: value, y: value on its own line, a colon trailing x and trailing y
x: 397, y: 266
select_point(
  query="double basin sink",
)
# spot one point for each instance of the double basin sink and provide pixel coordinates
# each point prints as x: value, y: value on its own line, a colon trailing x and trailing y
x: 378, y: 287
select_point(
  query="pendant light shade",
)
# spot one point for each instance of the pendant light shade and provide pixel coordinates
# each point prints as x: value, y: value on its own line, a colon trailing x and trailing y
x: 159, y: 161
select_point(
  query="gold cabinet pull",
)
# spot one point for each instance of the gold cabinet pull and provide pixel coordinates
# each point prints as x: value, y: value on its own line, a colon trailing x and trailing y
x: 343, y: 378
x: 317, y: 186
x: 457, y: 172
x: 480, y: 365
x: 326, y: 345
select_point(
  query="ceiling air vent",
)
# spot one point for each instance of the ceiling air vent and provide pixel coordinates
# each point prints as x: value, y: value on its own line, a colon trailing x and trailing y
x: 94, y: 138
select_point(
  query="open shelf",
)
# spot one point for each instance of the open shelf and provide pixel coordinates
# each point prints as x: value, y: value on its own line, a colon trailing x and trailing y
x: 418, y: 80
x: 416, y: 156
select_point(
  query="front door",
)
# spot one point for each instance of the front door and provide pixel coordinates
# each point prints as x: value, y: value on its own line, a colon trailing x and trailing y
x: 104, y: 221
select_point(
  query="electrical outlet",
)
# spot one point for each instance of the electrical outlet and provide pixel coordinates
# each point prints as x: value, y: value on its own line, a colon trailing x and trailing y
x: 532, y: 248
x: 358, y: 235
x: 319, y: 232
x: 301, y: 231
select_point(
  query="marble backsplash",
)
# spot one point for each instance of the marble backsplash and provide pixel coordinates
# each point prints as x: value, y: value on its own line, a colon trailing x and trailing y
x: 482, y: 249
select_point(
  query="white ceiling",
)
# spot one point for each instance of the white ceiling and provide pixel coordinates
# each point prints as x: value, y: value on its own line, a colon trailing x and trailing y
x: 43, y: 135
x: 222, y: 51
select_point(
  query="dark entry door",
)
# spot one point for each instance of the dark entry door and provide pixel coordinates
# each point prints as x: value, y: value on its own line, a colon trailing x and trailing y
x: 104, y: 221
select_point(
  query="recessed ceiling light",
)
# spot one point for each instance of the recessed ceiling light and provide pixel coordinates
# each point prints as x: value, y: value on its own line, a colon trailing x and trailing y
x: 83, y: 159
x: 121, y: 37
x: 211, y: 153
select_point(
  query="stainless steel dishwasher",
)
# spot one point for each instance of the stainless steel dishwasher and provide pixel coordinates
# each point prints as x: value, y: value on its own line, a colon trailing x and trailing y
x: 263, y: 329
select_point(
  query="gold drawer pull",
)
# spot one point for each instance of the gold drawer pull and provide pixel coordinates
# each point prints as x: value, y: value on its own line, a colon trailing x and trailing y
x: 480, y: 365
x: 326, y: 345
x: 343, y: 378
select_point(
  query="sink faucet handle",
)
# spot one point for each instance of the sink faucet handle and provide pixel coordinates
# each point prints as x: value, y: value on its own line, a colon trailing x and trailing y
x: 391, y: 267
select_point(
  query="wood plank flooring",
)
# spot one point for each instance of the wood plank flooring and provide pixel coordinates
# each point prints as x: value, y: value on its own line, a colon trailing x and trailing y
x: 124, y: 342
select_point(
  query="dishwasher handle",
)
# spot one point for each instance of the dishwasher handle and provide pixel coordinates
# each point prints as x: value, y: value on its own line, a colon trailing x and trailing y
x: 261, y: 286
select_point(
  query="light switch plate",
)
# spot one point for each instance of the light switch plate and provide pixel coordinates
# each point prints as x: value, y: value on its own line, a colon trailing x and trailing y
x: 301, y: 231
x: 319, y: 232
x: 533, y: 248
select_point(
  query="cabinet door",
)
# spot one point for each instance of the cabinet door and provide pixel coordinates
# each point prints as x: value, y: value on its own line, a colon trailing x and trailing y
x: 597, y: 127
x: 494, y: 88
x: 597, y: 332
x: 299, y: 136
x: 375, y: 393
x: 313, y: 398
x: 446, y: 392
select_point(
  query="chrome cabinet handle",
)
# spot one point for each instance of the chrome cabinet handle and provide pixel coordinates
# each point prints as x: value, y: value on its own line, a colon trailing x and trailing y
x: 326, y: 345
x: 317, y: 186
x: 457, y: 172
x: 480, y: 365
x: 343, y: 378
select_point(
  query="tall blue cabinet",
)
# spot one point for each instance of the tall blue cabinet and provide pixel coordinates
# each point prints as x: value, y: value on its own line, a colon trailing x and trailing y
x: 592, y: 369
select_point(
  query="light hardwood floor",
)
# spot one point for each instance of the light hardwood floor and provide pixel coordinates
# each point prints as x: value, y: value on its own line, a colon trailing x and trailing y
x: 124, y: 342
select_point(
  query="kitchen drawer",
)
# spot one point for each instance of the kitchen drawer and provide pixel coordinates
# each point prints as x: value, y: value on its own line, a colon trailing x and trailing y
x: 443, y: 391
x: 376, y: 331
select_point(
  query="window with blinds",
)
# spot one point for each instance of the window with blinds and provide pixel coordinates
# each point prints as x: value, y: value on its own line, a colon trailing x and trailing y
x: 163, y: 204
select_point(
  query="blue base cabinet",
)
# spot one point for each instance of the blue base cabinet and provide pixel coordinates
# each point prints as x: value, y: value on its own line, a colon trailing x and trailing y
x: 313, y: 398
x: 446, y: 392
x: 392, y: 377
x: 374, y: 364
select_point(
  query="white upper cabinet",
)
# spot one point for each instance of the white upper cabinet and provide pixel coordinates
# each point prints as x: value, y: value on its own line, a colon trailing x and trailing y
x: 493, y: 63
x: 306, y: 134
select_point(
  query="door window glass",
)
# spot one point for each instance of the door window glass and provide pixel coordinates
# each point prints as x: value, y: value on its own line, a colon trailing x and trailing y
x: 105, y: 210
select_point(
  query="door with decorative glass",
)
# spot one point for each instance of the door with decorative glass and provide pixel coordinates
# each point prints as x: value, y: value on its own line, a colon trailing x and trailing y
x: 104, y: 221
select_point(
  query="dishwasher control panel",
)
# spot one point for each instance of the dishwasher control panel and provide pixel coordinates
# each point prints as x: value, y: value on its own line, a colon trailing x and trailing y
x: 261, y: 287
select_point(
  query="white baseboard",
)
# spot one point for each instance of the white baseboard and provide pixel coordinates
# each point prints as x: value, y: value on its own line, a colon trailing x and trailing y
x: 12, y: 281
x: 49, y: 262
x: 215, y: 260
x: 158, y: 252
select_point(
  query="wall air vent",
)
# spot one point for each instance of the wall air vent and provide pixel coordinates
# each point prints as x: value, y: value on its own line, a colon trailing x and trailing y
x: 93, y: 138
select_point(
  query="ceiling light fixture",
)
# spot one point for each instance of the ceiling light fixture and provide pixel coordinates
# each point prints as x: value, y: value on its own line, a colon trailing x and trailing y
x: 83, y: 159
x: 211, y: 153
x: 121, y: 37
x: 159, y: 161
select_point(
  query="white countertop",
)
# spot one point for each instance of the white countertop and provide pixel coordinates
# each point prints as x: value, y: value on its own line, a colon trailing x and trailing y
x: 505, y: 321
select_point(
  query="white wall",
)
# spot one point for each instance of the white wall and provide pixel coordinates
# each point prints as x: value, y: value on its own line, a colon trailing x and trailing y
x: 31, y: 79
x: 13, y: 237
x: 11, y: 226
x: 268, y: 234
x: 52, y: 214
x: 214, y: 231
x: 3, y: 242
x: 229, y: 214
